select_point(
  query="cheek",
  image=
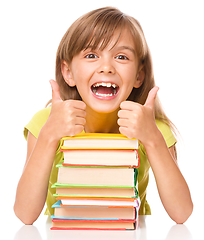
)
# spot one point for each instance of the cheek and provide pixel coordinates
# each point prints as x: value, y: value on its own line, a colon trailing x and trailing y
x: 133, y: 73
x: 131, y: 78
x: 129, y: 72
x: 82, y: 72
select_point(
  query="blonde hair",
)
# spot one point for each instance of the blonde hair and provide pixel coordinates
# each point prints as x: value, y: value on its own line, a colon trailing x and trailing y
x: 98, y: 27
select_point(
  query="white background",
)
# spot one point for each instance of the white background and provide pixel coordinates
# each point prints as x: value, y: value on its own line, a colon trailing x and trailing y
x: 30, y: 34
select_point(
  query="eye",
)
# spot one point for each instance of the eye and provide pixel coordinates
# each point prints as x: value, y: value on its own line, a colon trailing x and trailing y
x: 91, y: 55
x: 122, y: 57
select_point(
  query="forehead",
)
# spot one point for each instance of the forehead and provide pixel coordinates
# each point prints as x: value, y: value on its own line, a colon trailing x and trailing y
x: 124, y: 40
x: 120, y: 38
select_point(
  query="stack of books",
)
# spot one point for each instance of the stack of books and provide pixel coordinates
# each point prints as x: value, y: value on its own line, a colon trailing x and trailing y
x: 97, y: 183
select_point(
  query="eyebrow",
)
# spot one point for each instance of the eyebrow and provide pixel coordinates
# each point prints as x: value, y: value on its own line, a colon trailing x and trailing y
x: 124, y: 47
x: 117, y: 48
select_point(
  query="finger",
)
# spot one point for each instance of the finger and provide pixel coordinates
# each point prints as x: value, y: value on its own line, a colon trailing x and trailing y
x: 123, y: 122
x: 80, y: 121
x: 77, y: 104
x: 151, y: 97
x: 125, y: 114
x: 80, y: 113
x: 77, y: 129
x: 55, y: 91
x: 128, y: 105
x: 125, y: 131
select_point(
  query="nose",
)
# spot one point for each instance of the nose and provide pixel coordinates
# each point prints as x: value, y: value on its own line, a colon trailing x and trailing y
x: 106, y: 67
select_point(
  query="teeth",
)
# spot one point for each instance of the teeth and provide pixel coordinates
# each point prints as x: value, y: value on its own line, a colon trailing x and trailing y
x: 94, y: 90
x: 104, y: 84
x: 104, y: 95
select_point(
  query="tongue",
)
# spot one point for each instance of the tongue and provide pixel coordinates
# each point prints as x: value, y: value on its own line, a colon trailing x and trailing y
x: 104, y: 90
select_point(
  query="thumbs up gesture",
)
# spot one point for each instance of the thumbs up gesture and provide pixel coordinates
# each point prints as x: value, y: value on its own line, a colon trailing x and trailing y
x: 67, y: 118
x: 138, y: 121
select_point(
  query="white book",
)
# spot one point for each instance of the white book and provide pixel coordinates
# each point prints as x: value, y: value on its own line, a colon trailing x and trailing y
x: 71, y: 202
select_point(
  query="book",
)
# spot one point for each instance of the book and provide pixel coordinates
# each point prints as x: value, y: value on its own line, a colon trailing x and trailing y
x: 99, y: 141
x: 96, y: 186
x: 102, y: 203
x: 99, y: 176
x: 84, y: 224
x: 95, y: 212
x: 102, y: 157
x: 94, y: 191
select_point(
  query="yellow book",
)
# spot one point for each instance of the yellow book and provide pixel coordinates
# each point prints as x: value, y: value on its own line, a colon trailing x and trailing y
x: 99, y: 141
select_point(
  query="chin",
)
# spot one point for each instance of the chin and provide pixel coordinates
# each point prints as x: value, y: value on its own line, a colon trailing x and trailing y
x: 106, y: 110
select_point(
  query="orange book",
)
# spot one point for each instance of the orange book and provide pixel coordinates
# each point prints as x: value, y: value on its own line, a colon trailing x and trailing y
x: 71, y: 224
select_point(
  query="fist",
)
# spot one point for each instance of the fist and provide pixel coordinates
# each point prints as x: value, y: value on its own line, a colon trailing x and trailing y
x: 138, y: 121
x: 67, y: 118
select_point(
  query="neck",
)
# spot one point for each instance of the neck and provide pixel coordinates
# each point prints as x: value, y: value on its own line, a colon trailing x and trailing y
x: 101, y: 122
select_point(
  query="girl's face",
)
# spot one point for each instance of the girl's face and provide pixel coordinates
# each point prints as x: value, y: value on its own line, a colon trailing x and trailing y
x: 105, y: 78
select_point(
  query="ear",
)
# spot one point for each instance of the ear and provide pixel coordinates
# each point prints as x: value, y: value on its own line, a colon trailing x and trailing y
x: 67, y: 74
x: 140, y: 77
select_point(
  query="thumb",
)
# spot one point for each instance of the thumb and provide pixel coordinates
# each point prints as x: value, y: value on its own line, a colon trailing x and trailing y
x: 151, y: 97
x: 55, y: 91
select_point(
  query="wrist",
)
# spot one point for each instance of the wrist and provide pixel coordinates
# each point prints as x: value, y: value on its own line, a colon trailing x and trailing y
x: 47, y: 136
x: 155, y: 140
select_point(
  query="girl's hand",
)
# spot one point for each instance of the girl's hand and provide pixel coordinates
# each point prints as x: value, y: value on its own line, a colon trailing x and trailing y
x: 138, y: 121
x: 67, y: 118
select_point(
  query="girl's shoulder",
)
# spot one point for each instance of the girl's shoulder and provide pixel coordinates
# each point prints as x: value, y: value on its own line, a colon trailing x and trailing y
x: 37, y: 122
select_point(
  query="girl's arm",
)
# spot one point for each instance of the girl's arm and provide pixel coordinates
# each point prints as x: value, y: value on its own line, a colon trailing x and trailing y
x: 172, y: 187
x: 32, y: 188
x: 67, y: 118
x: 138, y: 121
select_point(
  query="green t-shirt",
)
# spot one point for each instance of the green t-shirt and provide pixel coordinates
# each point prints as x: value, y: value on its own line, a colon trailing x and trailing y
x: 39, y: 119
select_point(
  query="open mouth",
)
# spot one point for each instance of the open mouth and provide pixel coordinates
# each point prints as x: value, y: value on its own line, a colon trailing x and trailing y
x: 105, y: 89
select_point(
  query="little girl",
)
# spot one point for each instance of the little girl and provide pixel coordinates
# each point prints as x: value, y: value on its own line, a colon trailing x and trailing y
x: 104, y: 83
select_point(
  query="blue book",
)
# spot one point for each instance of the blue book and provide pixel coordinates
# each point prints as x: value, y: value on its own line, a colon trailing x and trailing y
x: 92, y: 213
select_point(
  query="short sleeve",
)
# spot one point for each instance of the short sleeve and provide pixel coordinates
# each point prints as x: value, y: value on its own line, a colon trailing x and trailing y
x: 37, y: 122
x: 167, y: 133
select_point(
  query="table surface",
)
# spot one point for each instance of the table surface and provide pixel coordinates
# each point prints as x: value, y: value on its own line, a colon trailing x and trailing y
x: 149, y: 227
